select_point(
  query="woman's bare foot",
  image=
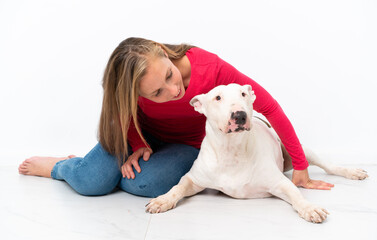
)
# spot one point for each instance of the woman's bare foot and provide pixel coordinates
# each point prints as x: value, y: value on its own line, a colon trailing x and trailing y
x: 40, y: 166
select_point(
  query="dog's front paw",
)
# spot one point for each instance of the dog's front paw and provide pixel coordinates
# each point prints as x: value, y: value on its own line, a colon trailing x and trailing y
x: 160, y: 204
x: 313, y: 213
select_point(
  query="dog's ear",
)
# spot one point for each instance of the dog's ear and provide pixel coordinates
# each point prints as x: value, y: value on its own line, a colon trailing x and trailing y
x: 250, y: 91
x: 196, y: 102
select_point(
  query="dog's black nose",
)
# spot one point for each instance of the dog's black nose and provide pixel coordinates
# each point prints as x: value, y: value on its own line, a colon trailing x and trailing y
x: 239, y: 117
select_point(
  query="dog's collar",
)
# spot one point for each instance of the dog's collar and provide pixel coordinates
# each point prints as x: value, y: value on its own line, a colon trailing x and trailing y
x: 268, y: 125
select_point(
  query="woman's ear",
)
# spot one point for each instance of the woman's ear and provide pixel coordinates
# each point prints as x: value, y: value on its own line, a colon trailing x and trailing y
x: 166, y: 54
x: 196, y: 102
x: 250, y: 91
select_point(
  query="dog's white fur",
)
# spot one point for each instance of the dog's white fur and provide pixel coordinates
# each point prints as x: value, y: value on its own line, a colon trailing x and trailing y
x: 243, y: 163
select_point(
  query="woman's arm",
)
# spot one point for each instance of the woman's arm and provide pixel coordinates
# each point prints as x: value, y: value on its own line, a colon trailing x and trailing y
x: 269, y: 107
x: 133, y: 138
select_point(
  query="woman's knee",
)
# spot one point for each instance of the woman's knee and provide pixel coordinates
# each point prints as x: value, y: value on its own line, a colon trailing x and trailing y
x: 162, y: 171
x: 96, y: 174
x: 90, y: 180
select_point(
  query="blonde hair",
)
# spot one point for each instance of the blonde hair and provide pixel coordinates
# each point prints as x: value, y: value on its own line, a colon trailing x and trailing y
x: 126, y: 67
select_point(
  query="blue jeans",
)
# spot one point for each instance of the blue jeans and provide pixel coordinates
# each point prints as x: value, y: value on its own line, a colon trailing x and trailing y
x: 98, y: 172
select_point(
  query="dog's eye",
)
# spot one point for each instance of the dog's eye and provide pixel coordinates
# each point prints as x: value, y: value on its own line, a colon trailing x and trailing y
x: 218, y: 98
x: 243, y: 94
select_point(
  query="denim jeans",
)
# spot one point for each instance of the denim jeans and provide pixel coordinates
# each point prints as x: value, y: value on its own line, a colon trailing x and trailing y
x: 98, y: 172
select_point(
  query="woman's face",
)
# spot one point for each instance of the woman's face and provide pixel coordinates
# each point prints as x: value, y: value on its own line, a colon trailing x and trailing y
x: 163, y: 81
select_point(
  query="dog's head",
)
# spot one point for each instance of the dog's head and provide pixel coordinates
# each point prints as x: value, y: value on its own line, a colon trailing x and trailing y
x: 227, y: 108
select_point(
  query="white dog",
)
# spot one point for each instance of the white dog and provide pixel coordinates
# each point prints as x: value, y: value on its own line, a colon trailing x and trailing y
x: 243, y: 157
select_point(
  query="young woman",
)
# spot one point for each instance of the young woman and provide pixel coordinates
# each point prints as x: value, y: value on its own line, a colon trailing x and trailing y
x: 147, y: 124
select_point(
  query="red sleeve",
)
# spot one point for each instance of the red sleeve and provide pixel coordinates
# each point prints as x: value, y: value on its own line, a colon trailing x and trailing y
x: 133, y: 138
x: 270, y: 108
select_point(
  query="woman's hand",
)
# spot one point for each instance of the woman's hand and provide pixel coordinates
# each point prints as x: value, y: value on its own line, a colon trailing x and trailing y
x: 133, y: 160
x: 301, y: 179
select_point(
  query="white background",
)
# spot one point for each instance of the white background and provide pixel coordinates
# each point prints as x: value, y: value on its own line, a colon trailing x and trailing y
x: 317, y: 58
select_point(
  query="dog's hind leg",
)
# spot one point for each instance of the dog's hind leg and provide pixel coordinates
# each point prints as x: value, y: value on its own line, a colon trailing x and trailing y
x: 351, y: 173
x: 313, y: 159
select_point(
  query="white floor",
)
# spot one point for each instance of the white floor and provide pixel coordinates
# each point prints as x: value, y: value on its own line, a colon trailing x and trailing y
x: 41, y: 208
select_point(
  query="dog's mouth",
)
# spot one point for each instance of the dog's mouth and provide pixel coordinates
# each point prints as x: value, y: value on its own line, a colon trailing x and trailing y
x: 233, y: 127
x: 238, y: 129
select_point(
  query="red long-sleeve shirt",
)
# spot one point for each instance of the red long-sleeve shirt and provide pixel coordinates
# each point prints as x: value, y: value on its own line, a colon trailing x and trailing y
x: 178, y: 122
